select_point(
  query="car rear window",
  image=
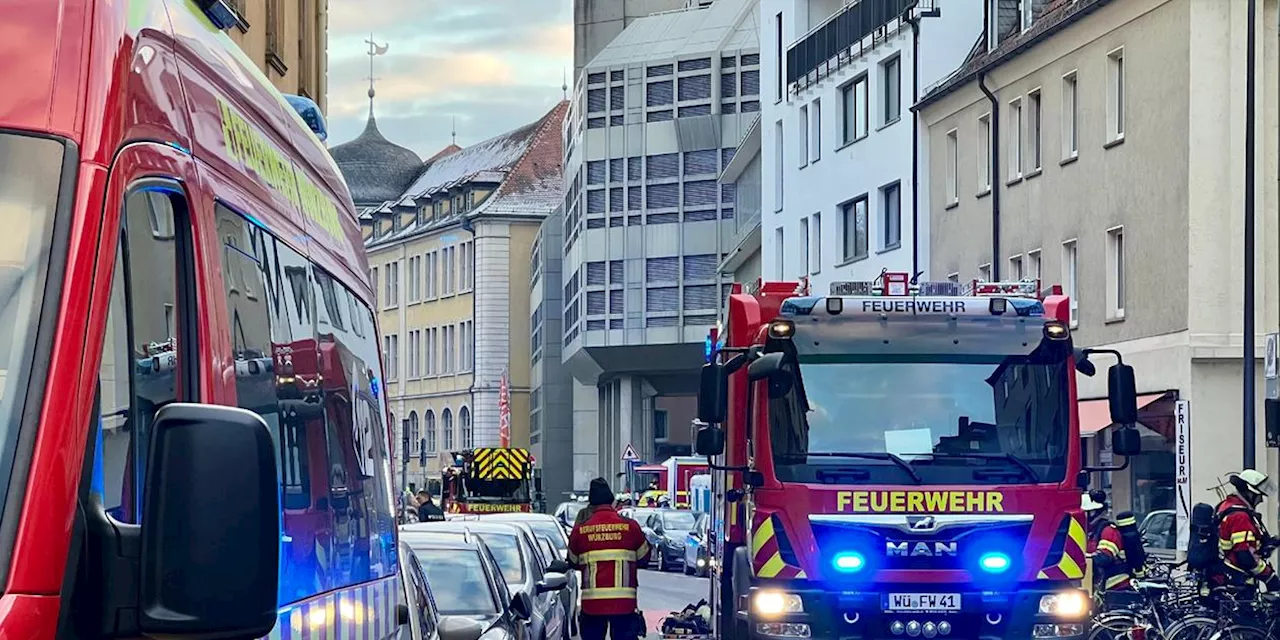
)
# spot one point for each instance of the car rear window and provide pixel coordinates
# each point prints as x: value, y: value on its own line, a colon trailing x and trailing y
x: 457, y: 581
x: 552, y: 531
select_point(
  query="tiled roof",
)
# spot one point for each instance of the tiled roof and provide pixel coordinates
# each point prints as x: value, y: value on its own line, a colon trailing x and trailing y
x: 375, y: 168
x: 1057, y: 15
x: 527, y: 163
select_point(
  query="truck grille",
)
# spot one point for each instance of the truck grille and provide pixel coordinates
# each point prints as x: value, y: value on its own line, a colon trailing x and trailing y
x: 904, y: 543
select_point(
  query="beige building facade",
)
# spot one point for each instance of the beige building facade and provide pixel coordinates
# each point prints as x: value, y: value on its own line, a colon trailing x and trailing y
x: 450, y: 254
x: 288, y: 39
x: 1116, y: 131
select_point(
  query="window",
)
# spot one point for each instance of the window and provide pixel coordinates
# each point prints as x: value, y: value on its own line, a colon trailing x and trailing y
x: 1015, y: 139
x: 393, y: 284
x: 1026, y: 11
x: 953, y: 277
x: 853, y: 215
x: 853, y: 110
x: 1069, y: 257
x: 1015, y: 268
x: 1033, y: 128
x: 145, y: 287
x: 984, y: 153
x: 984, y: 272
x: 429, y: 421
x: 275, y: 37
x: 373, y: 283
x: 891, y: 216
x: 1115, y: 273
x: 661, y: 425
x: 780, y: 64
x: 415, y: 343
x: 804, y: 245
x: 391, y: 344
x: 778, y: 167
x: 780, y: 255
x: 1070, y: 115
x: 803, y: 127
x: 446, y: 425
x: 415, y: 446
x: 338, y: 454
x: 1115, y: 95
x: 464, y: 426
x: 815, y: 145
x: 891, y: 87
x: 413, y: 279
x: 816, y: 244
x: 1033, y: 264
x: 450, y: 270
x: 953, y: 167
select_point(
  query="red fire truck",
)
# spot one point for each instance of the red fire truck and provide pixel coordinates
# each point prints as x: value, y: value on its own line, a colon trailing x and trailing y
x: 173, y: 224
x: 673, y: 476
x: 899, y: 459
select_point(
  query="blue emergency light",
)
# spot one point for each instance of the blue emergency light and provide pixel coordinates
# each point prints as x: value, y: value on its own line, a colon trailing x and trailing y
x: 708, y: 349
x: 848, y: 562
x: 995, y: 562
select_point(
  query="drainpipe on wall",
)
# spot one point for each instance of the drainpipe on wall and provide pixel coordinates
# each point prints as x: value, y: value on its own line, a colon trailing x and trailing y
x: 995, y: 176
x: 467, y: 226
x: 915, y: 149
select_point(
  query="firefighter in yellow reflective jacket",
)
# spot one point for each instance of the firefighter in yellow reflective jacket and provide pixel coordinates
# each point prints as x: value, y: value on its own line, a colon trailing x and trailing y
x: 607, y: 549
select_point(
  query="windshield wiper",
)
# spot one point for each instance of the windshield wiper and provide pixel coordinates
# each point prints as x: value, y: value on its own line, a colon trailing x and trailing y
x: 1008, y: 457
x: 872, y: 455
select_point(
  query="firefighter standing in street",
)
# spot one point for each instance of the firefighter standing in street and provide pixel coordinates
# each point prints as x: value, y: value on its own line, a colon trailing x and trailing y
x: 1243, y: 542
x: 607, y: 549
x: 1106, y: 546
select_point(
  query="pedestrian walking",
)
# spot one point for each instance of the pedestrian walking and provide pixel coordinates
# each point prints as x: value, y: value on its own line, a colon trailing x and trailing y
x: 607, y: 549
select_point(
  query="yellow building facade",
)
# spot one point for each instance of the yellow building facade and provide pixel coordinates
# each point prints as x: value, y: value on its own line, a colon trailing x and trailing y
x: 288, y: 39
x: 450, y: 259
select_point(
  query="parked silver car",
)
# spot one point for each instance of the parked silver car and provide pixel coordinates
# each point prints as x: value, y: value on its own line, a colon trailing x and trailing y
x: 455, y: 591
x: 546, y: 526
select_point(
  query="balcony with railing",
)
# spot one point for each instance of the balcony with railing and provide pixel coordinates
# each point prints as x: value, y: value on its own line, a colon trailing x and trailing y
x: 844, y: 37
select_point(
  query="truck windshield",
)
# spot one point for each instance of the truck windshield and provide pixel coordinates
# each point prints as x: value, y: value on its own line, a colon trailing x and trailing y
x: 30, y: 171
x: 886, y: 418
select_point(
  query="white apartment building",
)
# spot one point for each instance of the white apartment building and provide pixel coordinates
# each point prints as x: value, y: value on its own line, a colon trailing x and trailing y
x: 839, y: 140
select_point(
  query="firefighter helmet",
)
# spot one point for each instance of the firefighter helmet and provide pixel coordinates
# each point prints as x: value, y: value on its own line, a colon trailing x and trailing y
x: 1089, y: 504
x: 1252, y: 481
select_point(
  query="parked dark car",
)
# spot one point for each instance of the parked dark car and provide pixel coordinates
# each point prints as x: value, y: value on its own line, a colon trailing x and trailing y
x: 667, y: 531
x: 547, y: 527
x: 466, y: 587
x: 697, y: 547
x: 524, y: 569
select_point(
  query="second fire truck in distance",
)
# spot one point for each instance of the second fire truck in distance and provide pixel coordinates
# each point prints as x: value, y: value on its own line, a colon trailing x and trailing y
x: 900, y: 460
x: 489, y: 480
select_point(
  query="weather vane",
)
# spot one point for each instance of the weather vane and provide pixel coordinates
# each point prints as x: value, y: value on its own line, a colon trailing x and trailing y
x: 375, y: 50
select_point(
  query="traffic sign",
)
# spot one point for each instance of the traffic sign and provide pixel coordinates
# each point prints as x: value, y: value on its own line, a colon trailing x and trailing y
x: 629, y: 454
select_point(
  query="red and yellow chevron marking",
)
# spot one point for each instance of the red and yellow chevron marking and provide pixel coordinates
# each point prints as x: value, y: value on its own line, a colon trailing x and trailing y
x: 1071, y: 566
x: 766, y: 558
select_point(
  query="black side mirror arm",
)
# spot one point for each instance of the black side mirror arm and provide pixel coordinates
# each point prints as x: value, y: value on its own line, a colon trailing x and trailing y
x: 1098, y: 469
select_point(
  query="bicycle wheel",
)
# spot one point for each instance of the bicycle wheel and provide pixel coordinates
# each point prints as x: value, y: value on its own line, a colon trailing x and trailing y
x: 1192, y: 628
x: 1240, y: 632
x: 1114, y: 625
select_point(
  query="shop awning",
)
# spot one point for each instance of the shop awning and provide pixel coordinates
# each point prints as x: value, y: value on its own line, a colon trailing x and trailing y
x: 1095, y: 415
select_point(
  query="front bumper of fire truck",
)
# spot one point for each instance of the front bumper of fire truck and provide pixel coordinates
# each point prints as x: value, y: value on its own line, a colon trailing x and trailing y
x: 793, y: 612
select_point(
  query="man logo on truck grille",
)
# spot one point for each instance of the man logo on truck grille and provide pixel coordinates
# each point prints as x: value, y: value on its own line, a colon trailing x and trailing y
x: 927, y: 523
x: 919, y: 549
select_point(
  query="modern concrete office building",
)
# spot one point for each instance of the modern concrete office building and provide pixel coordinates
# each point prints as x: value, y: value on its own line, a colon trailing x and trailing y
x: 654, y: 119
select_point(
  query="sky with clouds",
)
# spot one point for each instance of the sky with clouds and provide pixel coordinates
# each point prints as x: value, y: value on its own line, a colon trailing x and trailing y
x: 495, y: 65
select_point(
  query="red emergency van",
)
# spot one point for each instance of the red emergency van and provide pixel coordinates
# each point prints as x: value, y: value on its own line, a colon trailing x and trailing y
x: 193, y: 437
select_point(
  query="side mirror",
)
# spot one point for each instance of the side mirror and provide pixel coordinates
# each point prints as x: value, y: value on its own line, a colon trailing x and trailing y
x: 210, y: 549
x: 1122, y: 393
x: 1082, y: 480
x: 553, y: 581
x: 1126, y: 441
x: 710, y: 441
x: 402, y: 614
x: 753, y: 479
x: 459, y: 628
x: 522, y: 606
x: 558, y: 566
x: 713, y: 393
x: 1083, y: 364
x: 765, y: 366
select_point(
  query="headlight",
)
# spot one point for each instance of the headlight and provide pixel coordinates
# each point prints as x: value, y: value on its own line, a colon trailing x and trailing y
x: 773, y: 603
x: 1065, y: 604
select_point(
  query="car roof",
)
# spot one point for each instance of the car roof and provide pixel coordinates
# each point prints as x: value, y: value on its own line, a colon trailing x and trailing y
x: 459, y: 526
x: 440, y: 539
x: 520, y: 517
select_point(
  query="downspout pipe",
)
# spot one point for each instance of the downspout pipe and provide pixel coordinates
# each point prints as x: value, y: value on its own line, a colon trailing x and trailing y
x: 915, y: 149
x: 994, y: 174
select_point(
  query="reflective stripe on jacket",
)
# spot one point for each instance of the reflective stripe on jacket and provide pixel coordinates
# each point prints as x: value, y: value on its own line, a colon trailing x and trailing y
x: 607, y: 549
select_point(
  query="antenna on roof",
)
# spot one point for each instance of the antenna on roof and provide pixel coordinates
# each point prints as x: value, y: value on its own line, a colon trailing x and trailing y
x: 564, y: 83
x: 455, y: 130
